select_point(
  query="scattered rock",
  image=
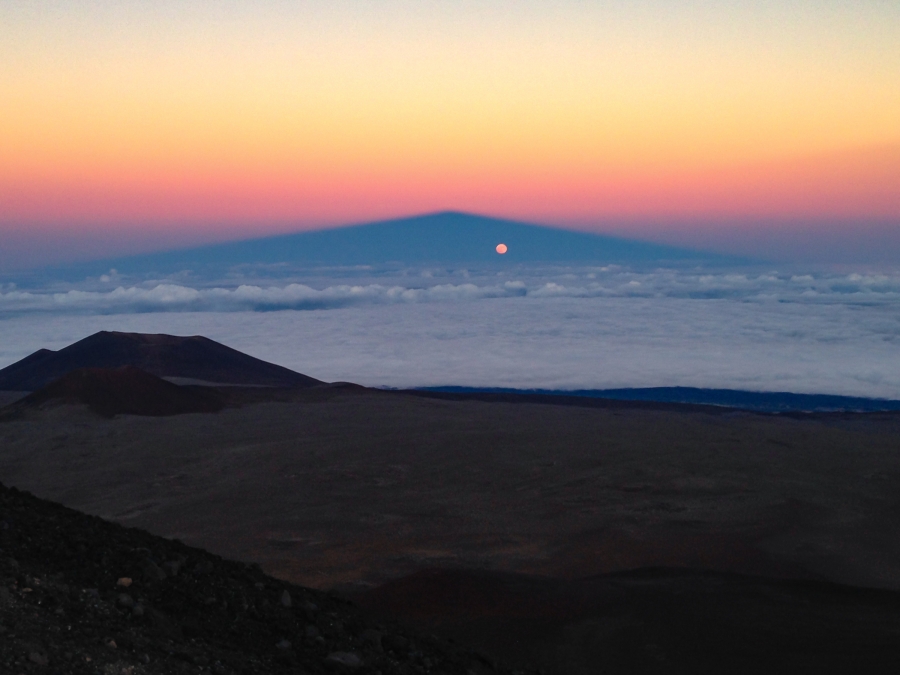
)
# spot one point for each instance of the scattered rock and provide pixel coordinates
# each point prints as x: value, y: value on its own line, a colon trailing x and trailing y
x: 151, y: 570
x: 396, y: 643
x: 213, y: 615
x: 204, y: 567
x: 345, y: 660
x: 171, y: 568
x: 38, y: 658
x: 372, y: 638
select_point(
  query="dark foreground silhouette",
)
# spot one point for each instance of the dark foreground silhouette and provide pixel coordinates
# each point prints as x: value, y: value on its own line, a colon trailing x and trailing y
x: 625, y: 536
x: 81, y: 595
x: 654, y: 620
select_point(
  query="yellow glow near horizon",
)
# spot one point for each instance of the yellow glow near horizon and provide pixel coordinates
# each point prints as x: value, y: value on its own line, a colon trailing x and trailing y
x: 318, y: 112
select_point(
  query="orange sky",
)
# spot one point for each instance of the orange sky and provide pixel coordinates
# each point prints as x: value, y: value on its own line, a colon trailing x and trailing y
x: 236, y: 119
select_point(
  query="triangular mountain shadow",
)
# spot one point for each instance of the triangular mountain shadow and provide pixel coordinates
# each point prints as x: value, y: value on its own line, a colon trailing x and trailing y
x: 194, y: 358
x: 445, y: 237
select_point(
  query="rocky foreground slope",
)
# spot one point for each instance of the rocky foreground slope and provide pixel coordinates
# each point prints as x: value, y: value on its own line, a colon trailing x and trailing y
x: 82, y: 595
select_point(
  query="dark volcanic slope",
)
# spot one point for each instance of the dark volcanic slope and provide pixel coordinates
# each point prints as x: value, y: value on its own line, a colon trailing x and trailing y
x: 193, y: 357
x: 126, y: 390
x: 347, y: 485
x: 81, y: 595
x: 654, y: 621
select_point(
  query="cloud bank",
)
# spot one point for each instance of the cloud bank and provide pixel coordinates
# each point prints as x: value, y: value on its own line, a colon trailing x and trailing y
x: 560, y: 328
x: 168, y: 296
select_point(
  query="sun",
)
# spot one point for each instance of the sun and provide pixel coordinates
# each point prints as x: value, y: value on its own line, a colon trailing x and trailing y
x: 502, y: 248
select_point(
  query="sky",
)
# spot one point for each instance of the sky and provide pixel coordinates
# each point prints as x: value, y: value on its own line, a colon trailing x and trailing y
x: 766, y: 128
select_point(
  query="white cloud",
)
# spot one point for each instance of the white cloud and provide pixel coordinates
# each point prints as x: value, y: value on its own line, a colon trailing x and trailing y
x: 548, y: 328
x: 168, y: 296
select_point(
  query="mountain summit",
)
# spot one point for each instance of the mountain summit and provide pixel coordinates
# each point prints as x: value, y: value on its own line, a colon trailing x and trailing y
x: 187, y: 358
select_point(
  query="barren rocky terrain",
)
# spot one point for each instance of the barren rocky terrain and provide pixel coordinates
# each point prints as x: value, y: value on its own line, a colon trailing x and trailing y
x: 81, y: 595
x: 357, y: 487
x: 573, y: 535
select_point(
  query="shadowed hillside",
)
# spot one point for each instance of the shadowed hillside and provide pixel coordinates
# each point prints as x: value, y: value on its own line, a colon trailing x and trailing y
x: 578, y: 535
x: 79, y: 595
x: 653, y: 620
x: 192, y: 358
x: 124, y: 391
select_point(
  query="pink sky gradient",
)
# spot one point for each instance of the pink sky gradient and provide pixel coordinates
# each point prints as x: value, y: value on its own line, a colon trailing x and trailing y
x: 132, y: 126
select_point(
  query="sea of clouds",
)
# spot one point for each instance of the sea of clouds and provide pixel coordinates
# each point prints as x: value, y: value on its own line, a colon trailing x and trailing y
x: 549, y: 327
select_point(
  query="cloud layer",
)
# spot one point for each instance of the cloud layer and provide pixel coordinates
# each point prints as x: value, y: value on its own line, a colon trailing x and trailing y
x: 562, y: 328
x: 168, y: 297
x: 605, y: 282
